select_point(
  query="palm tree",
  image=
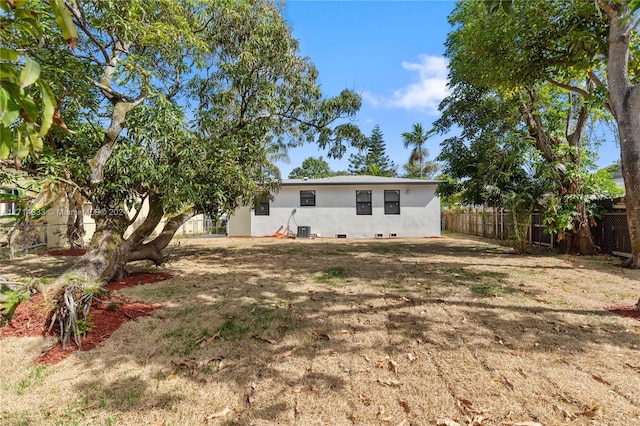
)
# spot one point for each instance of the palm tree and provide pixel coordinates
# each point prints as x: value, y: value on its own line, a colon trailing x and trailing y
x: 415, y: 139
x: 275, y: 151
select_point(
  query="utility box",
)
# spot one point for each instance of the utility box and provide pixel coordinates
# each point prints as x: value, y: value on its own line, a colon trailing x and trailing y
x: 304, y: 232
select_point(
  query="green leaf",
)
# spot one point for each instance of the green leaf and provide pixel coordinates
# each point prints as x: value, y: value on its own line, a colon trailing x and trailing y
x: 635, y: 5
x: 30, y: 72
x: 23, y: 150
x: 36, y: 144
x: 10, y: 117
x: 8, y: 54
x: 4, y: 102
x: 65, y: 21
x: 5, y: 141
x: 29, y: 107
x: 48, y: 108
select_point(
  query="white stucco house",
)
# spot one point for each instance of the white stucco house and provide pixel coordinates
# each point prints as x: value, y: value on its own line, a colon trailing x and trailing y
x: 344, y: 207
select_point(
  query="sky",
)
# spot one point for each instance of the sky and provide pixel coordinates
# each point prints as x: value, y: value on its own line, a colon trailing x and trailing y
x: 389, y: 52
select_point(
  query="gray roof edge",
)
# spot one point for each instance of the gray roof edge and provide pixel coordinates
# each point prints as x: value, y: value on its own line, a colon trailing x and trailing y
x: 359, y: 180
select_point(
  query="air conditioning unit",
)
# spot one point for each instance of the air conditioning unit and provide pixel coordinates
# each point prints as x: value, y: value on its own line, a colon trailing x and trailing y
x: 379, y: 235
x: 393, y: 235
x: 304, y: 232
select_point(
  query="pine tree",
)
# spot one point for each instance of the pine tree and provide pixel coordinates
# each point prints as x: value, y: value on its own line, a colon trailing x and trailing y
x: 373, y: 160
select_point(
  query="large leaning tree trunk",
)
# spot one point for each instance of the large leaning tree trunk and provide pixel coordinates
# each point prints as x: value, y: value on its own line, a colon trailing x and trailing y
x: 109, y: 250
x: 624, y: 98
x: 579, y: 239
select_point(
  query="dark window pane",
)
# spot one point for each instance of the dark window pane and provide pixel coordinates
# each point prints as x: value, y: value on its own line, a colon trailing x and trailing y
x: 307, y: 198
x: 363, y: 196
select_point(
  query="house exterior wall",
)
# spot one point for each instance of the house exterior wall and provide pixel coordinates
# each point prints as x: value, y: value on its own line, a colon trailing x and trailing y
x: 240, y: 226
x: 335, y: 212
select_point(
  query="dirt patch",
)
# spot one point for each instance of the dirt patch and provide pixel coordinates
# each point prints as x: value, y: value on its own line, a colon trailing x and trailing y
x: 31, y: 317
x: 625, y: 311
x: 66, y: 252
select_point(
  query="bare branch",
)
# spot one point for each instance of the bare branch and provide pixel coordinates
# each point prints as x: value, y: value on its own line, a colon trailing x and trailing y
x: 569, y: 87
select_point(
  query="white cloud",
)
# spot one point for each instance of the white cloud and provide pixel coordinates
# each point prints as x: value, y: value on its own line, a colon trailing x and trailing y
x: 423, y: 95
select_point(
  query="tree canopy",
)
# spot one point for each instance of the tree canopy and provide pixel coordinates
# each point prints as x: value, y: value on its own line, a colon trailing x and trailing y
x: 312, y: 168
x: 373, y: 159
x: 539, y: 65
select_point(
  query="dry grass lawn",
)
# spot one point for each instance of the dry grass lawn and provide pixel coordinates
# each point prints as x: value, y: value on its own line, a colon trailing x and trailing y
x: 343, y: 332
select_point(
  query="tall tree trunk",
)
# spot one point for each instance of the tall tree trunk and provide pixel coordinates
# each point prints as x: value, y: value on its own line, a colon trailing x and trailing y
x: 580, y: 241
x: 624, y: 98
x: 75, y: 219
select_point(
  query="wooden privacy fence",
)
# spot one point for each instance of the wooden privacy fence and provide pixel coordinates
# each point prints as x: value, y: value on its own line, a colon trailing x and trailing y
x: 611, y: 232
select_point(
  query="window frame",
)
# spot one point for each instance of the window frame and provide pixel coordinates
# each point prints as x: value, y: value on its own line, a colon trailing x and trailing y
x: 364, y: 208
x: 261, y: 207
x: 313, y: 199
x: 391, y: 207
x: 10, y: 208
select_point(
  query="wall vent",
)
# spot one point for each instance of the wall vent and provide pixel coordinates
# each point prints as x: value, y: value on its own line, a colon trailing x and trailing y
x: 393, y: 235
x: 341, y: 235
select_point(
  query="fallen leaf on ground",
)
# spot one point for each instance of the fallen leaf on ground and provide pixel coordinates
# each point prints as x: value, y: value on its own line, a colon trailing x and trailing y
x: 389, y: 382
x: 507, y: 383
x: 382, y: 363
x: 567, y: 415
x: 591, y: 412
x: 634, y: 367
x: 220, y: 413
x: 290, y: 352
x: 365, y: 399
x: 393, y: 366
x: 601, y: 380
x: 405, y: 406
x: 411, y: 357
x: 447, y: 422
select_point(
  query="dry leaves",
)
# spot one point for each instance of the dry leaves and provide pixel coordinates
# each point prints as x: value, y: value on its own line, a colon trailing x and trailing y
x: 601, y: 380
x: 390, y: 382
x: 590, y: 412
x: 474, y: 416
x: 193, y: 365
x: 365, y: 399
x: 290, y: 352
x: 221, y: 413
x: 447, y: 422
x: 405, y: 405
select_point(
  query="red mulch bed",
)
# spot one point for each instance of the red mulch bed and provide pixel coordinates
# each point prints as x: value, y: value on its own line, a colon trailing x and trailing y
x: 625, y: 311
x: 66, y: 252
x: 30, y: 318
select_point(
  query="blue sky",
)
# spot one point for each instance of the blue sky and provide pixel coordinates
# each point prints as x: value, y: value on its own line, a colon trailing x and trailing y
x: 390, y: 52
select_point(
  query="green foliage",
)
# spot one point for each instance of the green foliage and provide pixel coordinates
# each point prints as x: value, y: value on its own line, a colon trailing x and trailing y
x: 231, y: 330
x: 415, y: 139
x: 372, y: 159
x: 333, y: 274
x: 312, y: 168
x: 84, y: 325
x: 27, y: 101
x: 11, y: 301
x: 578, y: 188
x: 35, y: 377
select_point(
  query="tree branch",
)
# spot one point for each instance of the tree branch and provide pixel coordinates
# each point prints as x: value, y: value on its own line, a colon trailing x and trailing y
x: 569, y: 87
